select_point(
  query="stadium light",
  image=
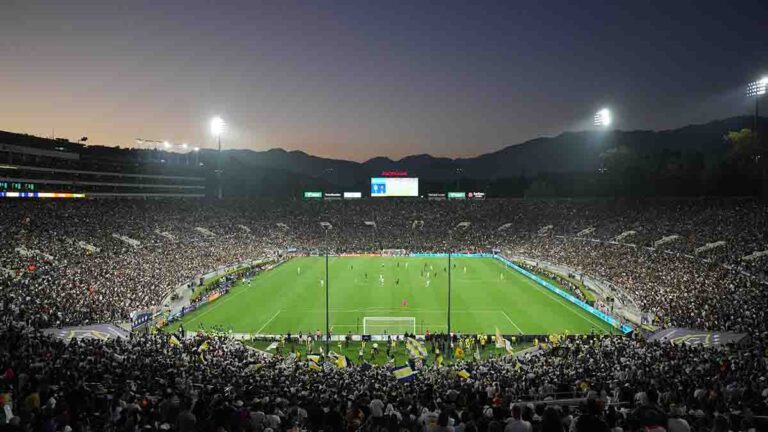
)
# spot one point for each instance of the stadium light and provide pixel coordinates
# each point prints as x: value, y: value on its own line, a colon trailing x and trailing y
x: 217, y: 126
x: 757, y: 89
x: 603, y: 118
x: 166, y: 144
x: 196, y: 149
x: 185, y: 145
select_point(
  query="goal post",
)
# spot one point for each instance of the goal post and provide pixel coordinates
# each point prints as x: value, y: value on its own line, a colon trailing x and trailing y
x: 389, y: 325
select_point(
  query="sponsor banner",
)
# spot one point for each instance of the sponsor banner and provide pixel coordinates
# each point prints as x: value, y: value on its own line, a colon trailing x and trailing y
x: 692, y: 337
x: 455, y: 255
x: 140, y: 318
x: 436, y: 196
x: 353, y: 195
x: 313, y: 195
x: 457, y: 195
x: 332, y: 196
x: 96, y: 331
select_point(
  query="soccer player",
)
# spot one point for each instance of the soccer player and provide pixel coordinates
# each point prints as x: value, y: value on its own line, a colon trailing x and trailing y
x: 322, y: 283
x: 298, y: 271
x: 501, y: 276
x: 405, y: 302
x: 428, y: 283
x: 465, y: 269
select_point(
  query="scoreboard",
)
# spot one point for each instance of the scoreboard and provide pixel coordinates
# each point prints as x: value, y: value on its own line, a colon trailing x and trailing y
x: 394, y: 187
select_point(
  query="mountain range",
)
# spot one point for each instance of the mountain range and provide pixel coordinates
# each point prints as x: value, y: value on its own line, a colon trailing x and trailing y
x: 569, y: 152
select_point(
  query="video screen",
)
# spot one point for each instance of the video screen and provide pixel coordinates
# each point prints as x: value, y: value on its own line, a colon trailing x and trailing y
x: 394, y: 187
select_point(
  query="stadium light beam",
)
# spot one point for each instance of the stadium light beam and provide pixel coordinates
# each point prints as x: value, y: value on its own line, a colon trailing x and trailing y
x: 603, y: 118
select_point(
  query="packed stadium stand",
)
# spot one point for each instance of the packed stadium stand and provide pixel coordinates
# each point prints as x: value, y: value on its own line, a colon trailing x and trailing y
x: 694, y: 264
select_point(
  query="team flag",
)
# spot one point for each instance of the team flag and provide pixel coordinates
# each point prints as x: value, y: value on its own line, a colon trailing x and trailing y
x: 314, y: 366
x: 459, y: 352
x: 342, y: 362
x: 203, y: 346
x: 404, y: 373
x: 439, y: 360
x: 415, y: 348
x: 313, y: 358
x: 499, y: 339
x: 272, y: 346
x: 173, y: 340
x: 464, y: 374
x: 502, y: 342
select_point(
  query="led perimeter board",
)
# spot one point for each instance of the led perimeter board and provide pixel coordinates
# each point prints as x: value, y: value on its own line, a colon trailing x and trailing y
x: 394, y: 187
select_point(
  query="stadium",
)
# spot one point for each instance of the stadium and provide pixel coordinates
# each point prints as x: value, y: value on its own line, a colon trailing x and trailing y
x: 218, y: 275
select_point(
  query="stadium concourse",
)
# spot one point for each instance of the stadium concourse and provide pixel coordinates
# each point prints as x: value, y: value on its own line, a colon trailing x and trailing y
x: 696, y: 264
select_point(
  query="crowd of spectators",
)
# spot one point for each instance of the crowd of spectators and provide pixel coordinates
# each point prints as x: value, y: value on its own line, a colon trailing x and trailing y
x: 60, y: 264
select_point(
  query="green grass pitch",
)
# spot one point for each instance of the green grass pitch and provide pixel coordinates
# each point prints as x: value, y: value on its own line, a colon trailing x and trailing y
x: 485, y: 294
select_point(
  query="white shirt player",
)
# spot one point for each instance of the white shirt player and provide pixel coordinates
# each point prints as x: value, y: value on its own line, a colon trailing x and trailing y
x: 322, y: 283
x: 298, y: 270
x: 428, y: 283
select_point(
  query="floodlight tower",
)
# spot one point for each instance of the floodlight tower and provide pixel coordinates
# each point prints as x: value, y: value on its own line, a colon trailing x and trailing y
x: 603, y: 118
x: 217, y: 128
x: 757, y: 89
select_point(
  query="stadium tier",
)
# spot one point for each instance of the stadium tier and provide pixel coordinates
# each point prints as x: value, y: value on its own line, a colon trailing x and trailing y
x: 125, y: 314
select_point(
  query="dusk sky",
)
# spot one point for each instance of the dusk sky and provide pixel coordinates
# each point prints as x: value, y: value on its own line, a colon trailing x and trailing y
x: 357, y: 79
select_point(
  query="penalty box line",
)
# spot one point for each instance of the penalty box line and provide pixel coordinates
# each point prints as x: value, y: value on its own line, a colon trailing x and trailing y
x: 401, y: 310
x: 269, y: 321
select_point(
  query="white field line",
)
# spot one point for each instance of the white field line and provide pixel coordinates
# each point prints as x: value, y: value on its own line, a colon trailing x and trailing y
x: 565, y: 304
x: 270, y: 320
x: 513, y: 323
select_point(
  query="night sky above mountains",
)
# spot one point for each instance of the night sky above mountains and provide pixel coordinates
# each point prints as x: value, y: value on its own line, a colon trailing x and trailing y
x: 355, y: 80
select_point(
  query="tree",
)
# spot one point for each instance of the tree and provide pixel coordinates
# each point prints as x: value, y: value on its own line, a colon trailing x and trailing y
x: 746, y: 146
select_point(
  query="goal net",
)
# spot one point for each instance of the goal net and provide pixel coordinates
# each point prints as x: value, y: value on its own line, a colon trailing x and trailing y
x: 389, y: 325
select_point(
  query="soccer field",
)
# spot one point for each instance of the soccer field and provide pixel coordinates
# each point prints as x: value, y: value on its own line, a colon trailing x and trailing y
x: 485, y: 295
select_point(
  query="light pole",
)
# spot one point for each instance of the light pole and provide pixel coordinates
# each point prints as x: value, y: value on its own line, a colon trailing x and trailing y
x: 327, y: 317
x: 450, y: 246
x: 757, y: 89
x: 217, y: 128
